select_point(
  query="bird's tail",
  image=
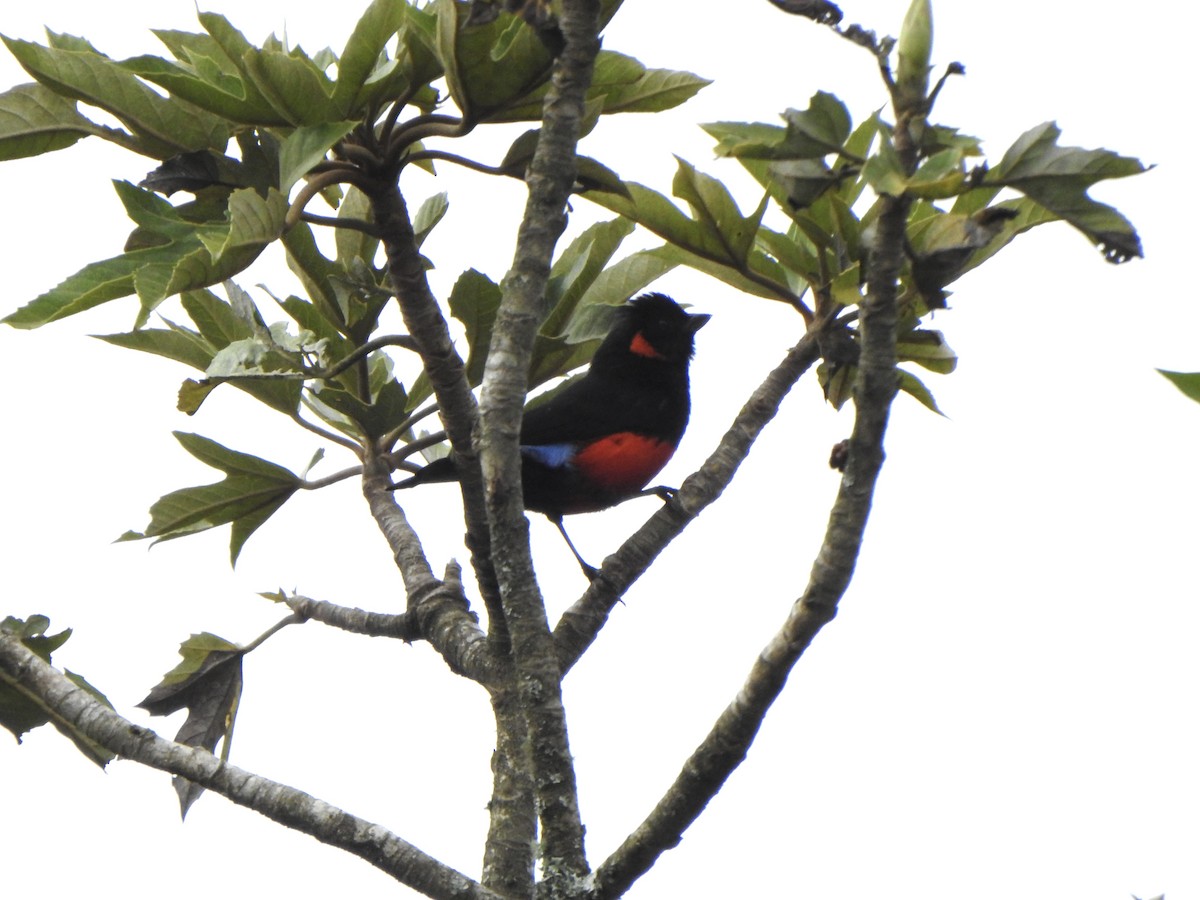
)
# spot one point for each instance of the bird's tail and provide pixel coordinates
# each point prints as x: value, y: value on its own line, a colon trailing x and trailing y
x: 438, y: 471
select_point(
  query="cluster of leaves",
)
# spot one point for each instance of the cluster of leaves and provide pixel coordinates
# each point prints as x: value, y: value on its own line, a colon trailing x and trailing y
x: 808, y: 235
x: 22, y: 710
x: 207, y: 682
x: 816, y: 169
x: 243, y: 125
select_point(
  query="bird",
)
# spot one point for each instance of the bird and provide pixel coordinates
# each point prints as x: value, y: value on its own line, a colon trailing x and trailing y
x: 599, y: 440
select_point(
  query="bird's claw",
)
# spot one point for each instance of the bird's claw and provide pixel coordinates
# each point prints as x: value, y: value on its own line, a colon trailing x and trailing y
x: 662, y: 492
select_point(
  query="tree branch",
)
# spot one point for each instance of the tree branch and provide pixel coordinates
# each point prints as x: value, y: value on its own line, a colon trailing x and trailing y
x: 447, y: 375
x: 725, y: 747
x: 581, y: 623
x: 357, y: 621
x: 438, y: 609
x: 508, y: 854
x: 280, y: 803
x: 523, y: 308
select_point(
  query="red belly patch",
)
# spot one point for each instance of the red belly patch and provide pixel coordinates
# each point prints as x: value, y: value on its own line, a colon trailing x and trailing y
x: 623, y: 462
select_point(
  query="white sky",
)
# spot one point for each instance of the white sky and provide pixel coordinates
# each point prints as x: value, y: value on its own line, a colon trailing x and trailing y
x: 1006, y: 704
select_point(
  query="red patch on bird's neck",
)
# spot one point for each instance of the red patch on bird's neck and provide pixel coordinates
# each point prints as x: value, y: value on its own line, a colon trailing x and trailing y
x: 639, y: 346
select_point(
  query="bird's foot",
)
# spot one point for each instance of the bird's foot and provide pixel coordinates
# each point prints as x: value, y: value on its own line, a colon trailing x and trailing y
x: 661, y: 491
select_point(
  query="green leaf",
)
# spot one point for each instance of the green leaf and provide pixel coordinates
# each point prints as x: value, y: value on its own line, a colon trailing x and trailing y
x: 474, y: 301
x: 230, y: 58
x: 837, y: 382
x: 36, y: 120
x: 216, y: 319
x: 817, y: 131
x: 803, y: 181
x: 253, y: 489
x: 625, y: 85
x: 928, y: 349
x: 699, y: 243
x: 294, y: 84
x: 315, y: 271
x: 576, y: 269
x: 714, y: 207
x: 1058, y: 178
x: 252, y: 222
x: 357, y: 64
x: 191, y: 256
x: 788, y: 162
x: 490, y: 66
x: 207, y: 78
x: 745, y: 140
x: 620, y: 84
x: 793, y: 255
x: 309, y: 317
x: 346, y: 411
x: 208, y: 683
x: 164, y: 127
x: 179, y: 344
x: 821, y: 129
x: 625, y: 278
x: 416, y: 63
x: 940, y: 176
x: 947, y: 245
x: 1188, y: 382
x: 432, y: 211
x: 22, y: 711
x: 305, y: 147
x: 590, y: 174
x: 914, y: 387
x: 885, y: 172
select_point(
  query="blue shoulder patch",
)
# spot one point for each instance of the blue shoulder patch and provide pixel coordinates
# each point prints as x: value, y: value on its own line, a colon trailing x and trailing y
x: 552, y: 456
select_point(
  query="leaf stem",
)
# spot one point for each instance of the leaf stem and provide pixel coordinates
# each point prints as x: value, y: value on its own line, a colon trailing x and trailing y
x: 283, y: 623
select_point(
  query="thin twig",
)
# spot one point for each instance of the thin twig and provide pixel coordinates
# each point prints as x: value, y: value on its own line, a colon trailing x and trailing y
x: 365, y: 350
x: 422, y: 127
x: 390, y: 438
x: 360, y: 156
x: 367, y: 228
x: 313, y: 186
x: 319, y: 483
x: 274, y: 629
x: 338, y: 439
x: 396, y: 458
x: 465, y: 162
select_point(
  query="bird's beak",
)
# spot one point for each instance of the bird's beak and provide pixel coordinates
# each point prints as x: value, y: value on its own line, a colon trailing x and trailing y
x: 696, y: 321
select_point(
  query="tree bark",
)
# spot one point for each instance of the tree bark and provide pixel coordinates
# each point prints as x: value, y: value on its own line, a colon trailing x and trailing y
x: 523, y: 307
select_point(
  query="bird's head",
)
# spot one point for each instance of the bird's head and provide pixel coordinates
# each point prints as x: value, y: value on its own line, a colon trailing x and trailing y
x: 656, y: 327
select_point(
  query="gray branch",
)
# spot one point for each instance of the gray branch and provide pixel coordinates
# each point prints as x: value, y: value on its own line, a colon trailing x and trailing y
x: 706, y: 771
x: 278, y: 802
x: 523, y: 308
x: 357, y: 621
x: 437, y: 609
x: 580, y: 624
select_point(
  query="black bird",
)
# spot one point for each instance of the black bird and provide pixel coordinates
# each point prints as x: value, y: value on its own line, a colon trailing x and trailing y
x: 600, y: 440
